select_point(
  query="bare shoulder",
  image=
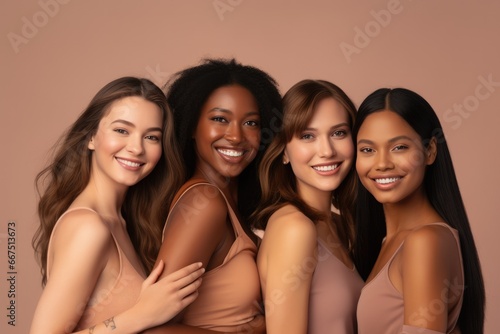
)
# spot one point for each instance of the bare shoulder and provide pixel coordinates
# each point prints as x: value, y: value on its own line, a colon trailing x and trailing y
x: 292, y: 224
x: 204, y: 198
x: 429, y: 244
x: 81, y: 243
x: 203, y: 207
x: 84, y: 225
x: 433, y: 236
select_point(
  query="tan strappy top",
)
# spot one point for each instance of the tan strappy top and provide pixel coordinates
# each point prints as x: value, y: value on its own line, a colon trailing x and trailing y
x: 333, y: 296
x: 110, y: 296
x: 381, y: 308
x: 229, y: 296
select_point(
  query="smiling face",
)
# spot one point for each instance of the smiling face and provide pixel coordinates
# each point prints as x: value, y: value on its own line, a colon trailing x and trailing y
x: 391, y: 159
x: 322, y: 154
x: 227, y: 136
x: 127, y: 144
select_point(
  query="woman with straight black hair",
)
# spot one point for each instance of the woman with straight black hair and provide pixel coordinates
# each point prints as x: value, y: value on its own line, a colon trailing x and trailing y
x: 414, y: 245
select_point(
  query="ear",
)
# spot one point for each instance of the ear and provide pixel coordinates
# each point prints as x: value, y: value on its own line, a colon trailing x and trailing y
x: 431, y: 151
x: 91, y: 144
x: 286, y: 160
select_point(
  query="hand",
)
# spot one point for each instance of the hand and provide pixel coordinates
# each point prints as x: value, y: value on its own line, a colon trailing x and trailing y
x: 161, y: 300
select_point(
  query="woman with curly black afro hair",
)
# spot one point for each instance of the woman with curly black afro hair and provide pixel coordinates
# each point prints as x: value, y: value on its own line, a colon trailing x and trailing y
x: 225, y: 115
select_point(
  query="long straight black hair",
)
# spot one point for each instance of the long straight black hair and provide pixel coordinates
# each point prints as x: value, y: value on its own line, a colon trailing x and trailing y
x: 441, y: 187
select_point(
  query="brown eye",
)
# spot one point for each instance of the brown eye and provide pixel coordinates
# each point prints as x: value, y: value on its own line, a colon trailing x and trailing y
x: 121, y: 131
x: 219, y: 119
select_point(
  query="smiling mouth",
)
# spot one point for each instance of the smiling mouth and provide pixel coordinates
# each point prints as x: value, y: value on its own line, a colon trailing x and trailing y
x: 231, y: 153
x: 326, y: 168
x: 387, y: 180
x: 129, y: 163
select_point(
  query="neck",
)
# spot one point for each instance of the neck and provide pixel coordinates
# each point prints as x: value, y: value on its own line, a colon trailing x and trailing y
x: 409, y: 213
x: 229, y: 186
x: 316, y: 199
x: 105, y: 198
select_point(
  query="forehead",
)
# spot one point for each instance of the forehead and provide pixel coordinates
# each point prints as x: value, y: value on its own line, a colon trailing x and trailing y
x: 328, y: 111
x: 385, y: 124
x: 231, y: 97
x: 134, y: 109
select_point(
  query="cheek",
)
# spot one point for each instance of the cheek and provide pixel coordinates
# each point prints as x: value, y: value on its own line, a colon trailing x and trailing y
x: 414, y: 161
x: 299, y: 154
x: 254, y: 138
x: 107, y: 143
x: 346, y: 148
x: 156, y: 153
x: 361, y: 165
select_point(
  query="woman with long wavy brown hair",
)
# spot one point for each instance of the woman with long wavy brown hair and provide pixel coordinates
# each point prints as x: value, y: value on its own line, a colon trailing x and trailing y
x: 100, y: 226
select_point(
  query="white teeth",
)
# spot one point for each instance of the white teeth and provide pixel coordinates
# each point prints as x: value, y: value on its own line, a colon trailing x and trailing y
x: 231, y: 153
x: 325, y: 168
x: 129, y: 163
x: 387, y: 180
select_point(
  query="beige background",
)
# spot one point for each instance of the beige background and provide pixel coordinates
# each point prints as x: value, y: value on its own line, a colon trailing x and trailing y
x: 56, y: 54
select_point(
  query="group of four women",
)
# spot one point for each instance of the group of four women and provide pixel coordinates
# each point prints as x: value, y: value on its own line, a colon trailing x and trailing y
x: 151, y: 208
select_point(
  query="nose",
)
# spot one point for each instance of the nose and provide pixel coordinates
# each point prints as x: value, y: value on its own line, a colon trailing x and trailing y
x: 135, y: 145
x: 383, y: 161
x: 326, y: 147
x: 234, y: 133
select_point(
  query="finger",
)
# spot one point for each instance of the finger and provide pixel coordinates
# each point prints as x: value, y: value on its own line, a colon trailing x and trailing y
x: 188, y: 300
x: 183, y: 272
x: 189, y: 288
x: 155, y: 273
x: 189, y: 279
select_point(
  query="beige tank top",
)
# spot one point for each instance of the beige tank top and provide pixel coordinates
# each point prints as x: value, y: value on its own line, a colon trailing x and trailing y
x: 110, y: 296
x: 229, y: 296
x: 381, y: 308
x: 333, y: 296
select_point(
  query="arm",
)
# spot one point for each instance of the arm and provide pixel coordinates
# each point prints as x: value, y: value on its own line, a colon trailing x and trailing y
x: 287, y: 262
x: 196, y: 227
x: 81, y: 247
x: 426, y: 268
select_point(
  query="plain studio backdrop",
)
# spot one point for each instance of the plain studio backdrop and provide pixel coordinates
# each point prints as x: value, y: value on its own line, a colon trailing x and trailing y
x: 56, y: 54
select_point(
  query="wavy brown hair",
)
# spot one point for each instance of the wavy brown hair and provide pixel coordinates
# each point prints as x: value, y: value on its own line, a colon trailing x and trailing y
x: 68, y: 174
x: 277, y: 180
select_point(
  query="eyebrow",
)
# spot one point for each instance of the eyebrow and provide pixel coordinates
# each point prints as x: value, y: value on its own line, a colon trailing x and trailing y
x: 227, y: 111
x: 122, y: 121
x: 333, y: 127
x: 392, y: 140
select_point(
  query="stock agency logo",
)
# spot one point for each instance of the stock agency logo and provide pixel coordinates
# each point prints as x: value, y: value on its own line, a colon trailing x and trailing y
x: 31, y: 25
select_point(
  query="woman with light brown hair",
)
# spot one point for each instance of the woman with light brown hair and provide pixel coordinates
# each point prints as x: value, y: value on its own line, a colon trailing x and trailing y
x: 308, y: 183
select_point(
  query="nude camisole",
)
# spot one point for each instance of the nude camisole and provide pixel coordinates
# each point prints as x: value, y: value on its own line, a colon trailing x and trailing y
x: 229, y: 296
x: 381, y: 308
x: 333, y: 296
x: 110, y: 296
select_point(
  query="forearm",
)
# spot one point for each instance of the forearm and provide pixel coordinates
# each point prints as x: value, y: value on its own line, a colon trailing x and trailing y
x: 256, y: 326
x: 120, y: 324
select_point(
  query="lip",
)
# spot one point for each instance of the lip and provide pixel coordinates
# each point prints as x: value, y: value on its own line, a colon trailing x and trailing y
x: 328, y: 168
x: 130, y: 164
x: 232, y: 155
x: 387, y: 182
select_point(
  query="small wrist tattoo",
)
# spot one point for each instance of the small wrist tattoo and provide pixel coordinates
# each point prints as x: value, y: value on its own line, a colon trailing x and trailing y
x: 91, y: 329
x: 110, y: 323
